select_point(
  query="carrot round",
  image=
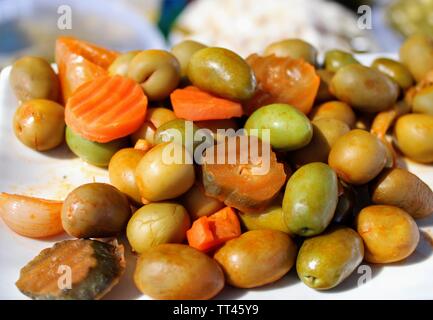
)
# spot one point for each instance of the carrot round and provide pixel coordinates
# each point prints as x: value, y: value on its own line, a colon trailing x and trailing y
x: 106, y: 108
x: 194, y: 104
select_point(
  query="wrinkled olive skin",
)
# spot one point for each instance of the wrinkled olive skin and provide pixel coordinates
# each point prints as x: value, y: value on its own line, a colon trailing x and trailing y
x: 395, y: 70
x: 357, y: 157
x: 121, y: 171
x: 95, y: 210
x: 325, y: 133
x: 364, y: 88
x: 198, y: 204
x: 400, y: 188
x: 310, y: 199
x: 183, y: 51
x: 293, y: 48
x: 256, y: 258
x: 335, y: 110
x: 416, y: 53
x: 423, y: 101
x: 40, y: 124
x: 98, y: 154
x: 413, y: 135
x: 271, y: 218
x: 327, y: 260
x: 289, y: 128
x: 157, y: 223
x: 158, y: 178
x: 121, y: 63
x: 389, y: 233
x: 33, y: 78
x: 157, y: 71
x: 222, y: 72
x: 155, y: 117
x: 324, y: 93
x: 336, y: 59
x: 178, y: 272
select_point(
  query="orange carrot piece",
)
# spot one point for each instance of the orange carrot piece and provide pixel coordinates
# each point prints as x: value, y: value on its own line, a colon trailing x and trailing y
x: 194, y: 104
x: 207, y: 233
x: 106, y: 108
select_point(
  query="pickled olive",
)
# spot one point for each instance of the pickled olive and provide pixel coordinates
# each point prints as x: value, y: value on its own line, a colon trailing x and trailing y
x: 324, y: 93
x: 157, y: 71
x: 183, y: 51
x: 198, y: 204
x: 219, y: 128
x: 33, y: 78
x: 395, y: 70
x: 423, y: 101
x: 247, y: 180
x: 256, y: 258
x: 335, y: 110
x: 345, y: 206
x: 416, y: 53
x: 155, y: 117
x: 121, y: 170
x: 95, y: 210
x: 157, y: 223
x: 325, y: 133
x: 326, y: 260
x: 40, y: 124
x: 270, y: 218
x: 389, y: 233
x: 177, y: 272
x: 413, y: 135
x: 336, y: 59
x: 293, y: 48
x: 98, y: 154
x: 357, y: 157
x: 289, y: 128
x: 400, y: 188
x: 310, y: 199
x: 222, y: 72
x: 165, y: 172
x: 121, y: 63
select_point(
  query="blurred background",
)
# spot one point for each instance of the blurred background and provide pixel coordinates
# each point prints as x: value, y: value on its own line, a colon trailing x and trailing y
x: 245, y: 26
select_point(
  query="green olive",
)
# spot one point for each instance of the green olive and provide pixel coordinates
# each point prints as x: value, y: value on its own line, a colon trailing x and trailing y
x: 222, y: 72
x: 121, y: 63
x: 156, y: 223
x: 395, y: 70
x: 165, y: 172
x: 270, y: 218
x: 423, y: 101
x: 40, y: 124
x: 357, y: 157
x: 324, y: 93
x: 335, y: 110
x: 293, y: 48
x: 198, y: 204
x: 95, y: 210
x: 121, y: 170
x: 414, y: 136
x: 416, y: 53
x: 157, y: 71
x: 336, y: 59
x: 33, y: 78
x: 364, y: 88
x: 183, y: 51
x: 98, y: 154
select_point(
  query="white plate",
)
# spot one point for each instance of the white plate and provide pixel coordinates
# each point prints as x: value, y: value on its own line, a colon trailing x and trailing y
x: 53, y: 174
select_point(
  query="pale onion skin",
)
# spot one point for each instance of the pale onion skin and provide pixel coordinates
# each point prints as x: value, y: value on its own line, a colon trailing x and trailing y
x: 31, y: 217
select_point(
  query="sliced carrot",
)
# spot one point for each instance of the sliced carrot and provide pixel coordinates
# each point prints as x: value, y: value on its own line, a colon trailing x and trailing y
x: 194, y: 104
x: 79, y: 61
x: 106, y: 108
x: 208, y: 233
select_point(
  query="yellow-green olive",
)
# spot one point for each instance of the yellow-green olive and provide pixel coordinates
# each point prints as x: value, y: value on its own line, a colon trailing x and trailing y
x: 270, y: 218
x: 121, y: 63
x: 157, y: 71
x: 293, y: 48
x: 324, y: 93
x: 33, y: 78
x: 423, y: 101
x: 335, y: 110
x: 40, y: 124
x: 336, y: 59
x: 416, y: 53
x: 395, y: 70
x: 183, y: 51
x: 198, y: 204
x: 414, y: 136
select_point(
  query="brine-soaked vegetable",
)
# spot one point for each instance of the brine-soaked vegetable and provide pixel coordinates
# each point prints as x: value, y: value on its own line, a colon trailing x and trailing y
x: 247, y: 182
x: 270, y: 218
x: 417, y: 54
x: 120, y: 64
x: 293, y: 48
x: 198, y: 204
x: 336, y: 59
x: 183, y: 51
x: 73, y: 270
x: 335, y: 110
x: 395, y: 70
